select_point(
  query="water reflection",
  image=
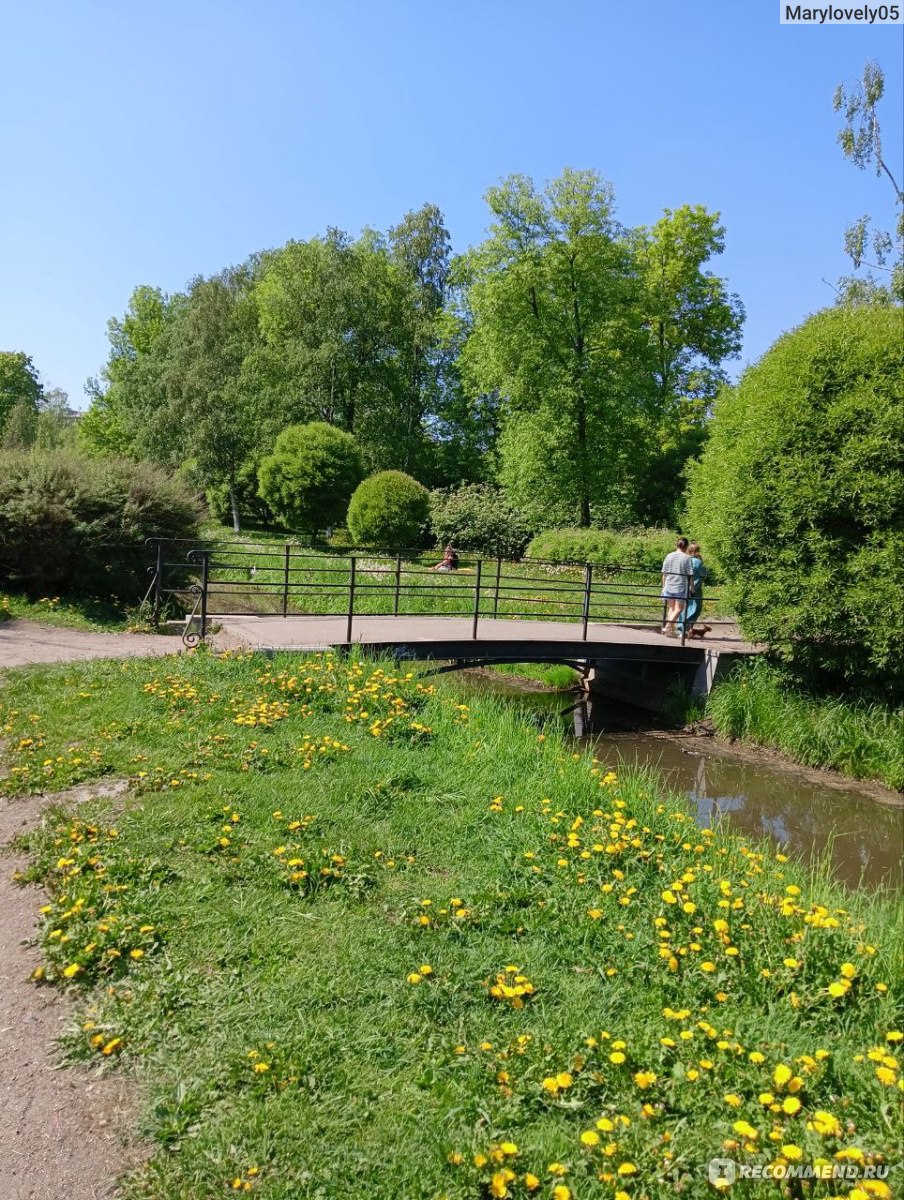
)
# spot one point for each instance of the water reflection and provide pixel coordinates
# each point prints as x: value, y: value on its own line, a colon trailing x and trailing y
x: 862, y: 838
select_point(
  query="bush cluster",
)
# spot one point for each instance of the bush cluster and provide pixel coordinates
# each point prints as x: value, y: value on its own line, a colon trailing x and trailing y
x: 625, y: 548
x: 799, y: 497
x: 477, y: 517
x: 62, y: 515
x: 389, y: 509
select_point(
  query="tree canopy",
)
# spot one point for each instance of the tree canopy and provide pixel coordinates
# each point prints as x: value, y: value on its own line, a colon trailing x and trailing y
x: 602, y: 344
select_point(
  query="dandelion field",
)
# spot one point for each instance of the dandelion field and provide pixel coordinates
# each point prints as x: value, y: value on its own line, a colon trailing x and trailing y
x: 357, y: 939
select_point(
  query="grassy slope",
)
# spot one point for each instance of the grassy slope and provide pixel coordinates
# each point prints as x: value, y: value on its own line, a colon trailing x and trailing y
x: 198, y: 958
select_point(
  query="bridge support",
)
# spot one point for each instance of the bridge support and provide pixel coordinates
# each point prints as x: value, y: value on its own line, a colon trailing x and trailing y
x: 646, y: 685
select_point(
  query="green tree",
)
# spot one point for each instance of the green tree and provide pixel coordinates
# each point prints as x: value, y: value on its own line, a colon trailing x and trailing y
x: 216, y: 414
x: 552, y: 298
x: 19, y: 385
x: 798, y: 496
x: 388, y: 509
x: 311, y: 474
x: 860, y: 139
x: 694, y: 326
x: 602, y: 346
x: 128, y: 414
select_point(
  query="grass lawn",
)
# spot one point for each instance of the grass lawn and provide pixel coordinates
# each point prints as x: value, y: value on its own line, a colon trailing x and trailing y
x: 357, y: 939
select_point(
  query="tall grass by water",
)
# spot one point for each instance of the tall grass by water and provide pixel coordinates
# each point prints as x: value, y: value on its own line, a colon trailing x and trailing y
x: 858, y: 738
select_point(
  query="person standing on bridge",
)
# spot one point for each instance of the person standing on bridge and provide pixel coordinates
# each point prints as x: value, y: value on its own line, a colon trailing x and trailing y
x: 677, y: 585
x: 688, y: 619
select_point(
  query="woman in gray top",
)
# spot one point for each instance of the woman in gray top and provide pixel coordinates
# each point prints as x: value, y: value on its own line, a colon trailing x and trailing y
x: 677, y: 585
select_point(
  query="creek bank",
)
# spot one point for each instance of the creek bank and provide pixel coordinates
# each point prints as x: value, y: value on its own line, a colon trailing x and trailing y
x: 701, y: 737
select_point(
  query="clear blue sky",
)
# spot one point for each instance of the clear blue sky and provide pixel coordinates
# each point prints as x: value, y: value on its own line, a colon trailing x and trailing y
x: 147, y: 143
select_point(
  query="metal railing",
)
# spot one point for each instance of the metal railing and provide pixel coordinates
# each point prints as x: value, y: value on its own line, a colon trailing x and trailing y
x: 215, y: 580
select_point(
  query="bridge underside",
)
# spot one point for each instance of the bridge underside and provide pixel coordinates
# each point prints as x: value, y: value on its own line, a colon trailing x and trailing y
x: 635, y: 664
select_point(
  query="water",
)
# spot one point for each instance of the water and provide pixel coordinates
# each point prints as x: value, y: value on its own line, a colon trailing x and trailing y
x: 862, y: 837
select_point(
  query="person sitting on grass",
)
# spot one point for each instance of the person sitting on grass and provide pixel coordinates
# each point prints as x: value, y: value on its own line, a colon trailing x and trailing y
x: 450, y: 560
x: 688, y: 618
x: 677, y: 585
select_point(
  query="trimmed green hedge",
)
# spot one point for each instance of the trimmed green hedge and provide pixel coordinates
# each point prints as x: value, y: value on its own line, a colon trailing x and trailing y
x: 624, y: 548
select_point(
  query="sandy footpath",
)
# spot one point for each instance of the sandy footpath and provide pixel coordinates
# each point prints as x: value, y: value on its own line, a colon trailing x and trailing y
x: 63, y: 1132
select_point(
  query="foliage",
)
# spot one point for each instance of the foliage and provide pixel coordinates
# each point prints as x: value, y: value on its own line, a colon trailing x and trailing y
x: 478, y: 517
x: 603, y: 346
x: 19, y: 385
x: 47, y: 425
x: 861, y: 143
x: 78, y: 525
x: 388, y: 509
x: 624, y: 548
x: 244, y: 493
x: 310, y: 476
x: 761, y: 703
x: 335, y: 329
x: 795, y: 496
x: 328, y: 867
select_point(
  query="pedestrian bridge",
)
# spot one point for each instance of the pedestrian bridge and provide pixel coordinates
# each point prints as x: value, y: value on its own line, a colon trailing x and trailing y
x: 602, y: 619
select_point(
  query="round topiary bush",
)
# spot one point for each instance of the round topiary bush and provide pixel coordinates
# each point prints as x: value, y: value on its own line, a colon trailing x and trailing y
x: 309, y: 477
x: 78, y: 525
x: 389, y: 509
x: 799, y: 496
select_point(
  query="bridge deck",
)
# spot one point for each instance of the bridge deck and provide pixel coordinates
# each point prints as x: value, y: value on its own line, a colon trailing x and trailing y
x: 451, y: 637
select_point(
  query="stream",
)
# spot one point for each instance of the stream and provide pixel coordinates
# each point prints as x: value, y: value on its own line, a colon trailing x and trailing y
x: 862, y: 837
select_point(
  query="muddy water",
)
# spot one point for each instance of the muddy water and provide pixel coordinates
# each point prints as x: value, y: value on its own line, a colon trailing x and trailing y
x: 862, y: 837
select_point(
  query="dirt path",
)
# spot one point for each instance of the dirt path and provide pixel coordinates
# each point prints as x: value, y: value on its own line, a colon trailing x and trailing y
x: 62, y: 1132
x: 25, y: 642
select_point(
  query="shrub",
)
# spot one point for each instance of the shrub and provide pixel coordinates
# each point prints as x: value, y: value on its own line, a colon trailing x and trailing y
x: 477, y: 517
x: 388, y: 509
x: 627, y: 548
x: 798, y: 495
x: 308, y: 479
x: 252, y: 507
x: 78, y: 525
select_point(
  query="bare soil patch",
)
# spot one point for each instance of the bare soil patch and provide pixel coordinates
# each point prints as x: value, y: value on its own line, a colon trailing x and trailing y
x: 64, y: 1133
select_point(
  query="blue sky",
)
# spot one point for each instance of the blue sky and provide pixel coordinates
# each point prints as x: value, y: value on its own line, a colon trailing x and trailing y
x: 151, y: 143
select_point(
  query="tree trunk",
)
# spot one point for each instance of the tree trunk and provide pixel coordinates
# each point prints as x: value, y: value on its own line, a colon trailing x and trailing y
x: 234, y: 505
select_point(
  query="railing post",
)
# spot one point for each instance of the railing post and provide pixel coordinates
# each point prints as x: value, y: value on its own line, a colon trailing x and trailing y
x: 158, y: 584
x: 684, y: 622
x: 588, y: 584
x: 351, y: 597
x: 398, y: 585
x: 285, y: 598
x: 476, y: 599
x: 496, y: 587
x: 205, y: 579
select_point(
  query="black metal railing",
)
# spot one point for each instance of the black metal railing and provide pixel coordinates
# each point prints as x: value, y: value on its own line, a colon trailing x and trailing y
x: 219, y: 579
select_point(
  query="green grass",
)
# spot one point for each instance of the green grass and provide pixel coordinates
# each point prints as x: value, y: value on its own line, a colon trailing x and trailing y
x: 554, y: 675
x: 863, y: 740
x: 245, y: 910
x: 70, y: 612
